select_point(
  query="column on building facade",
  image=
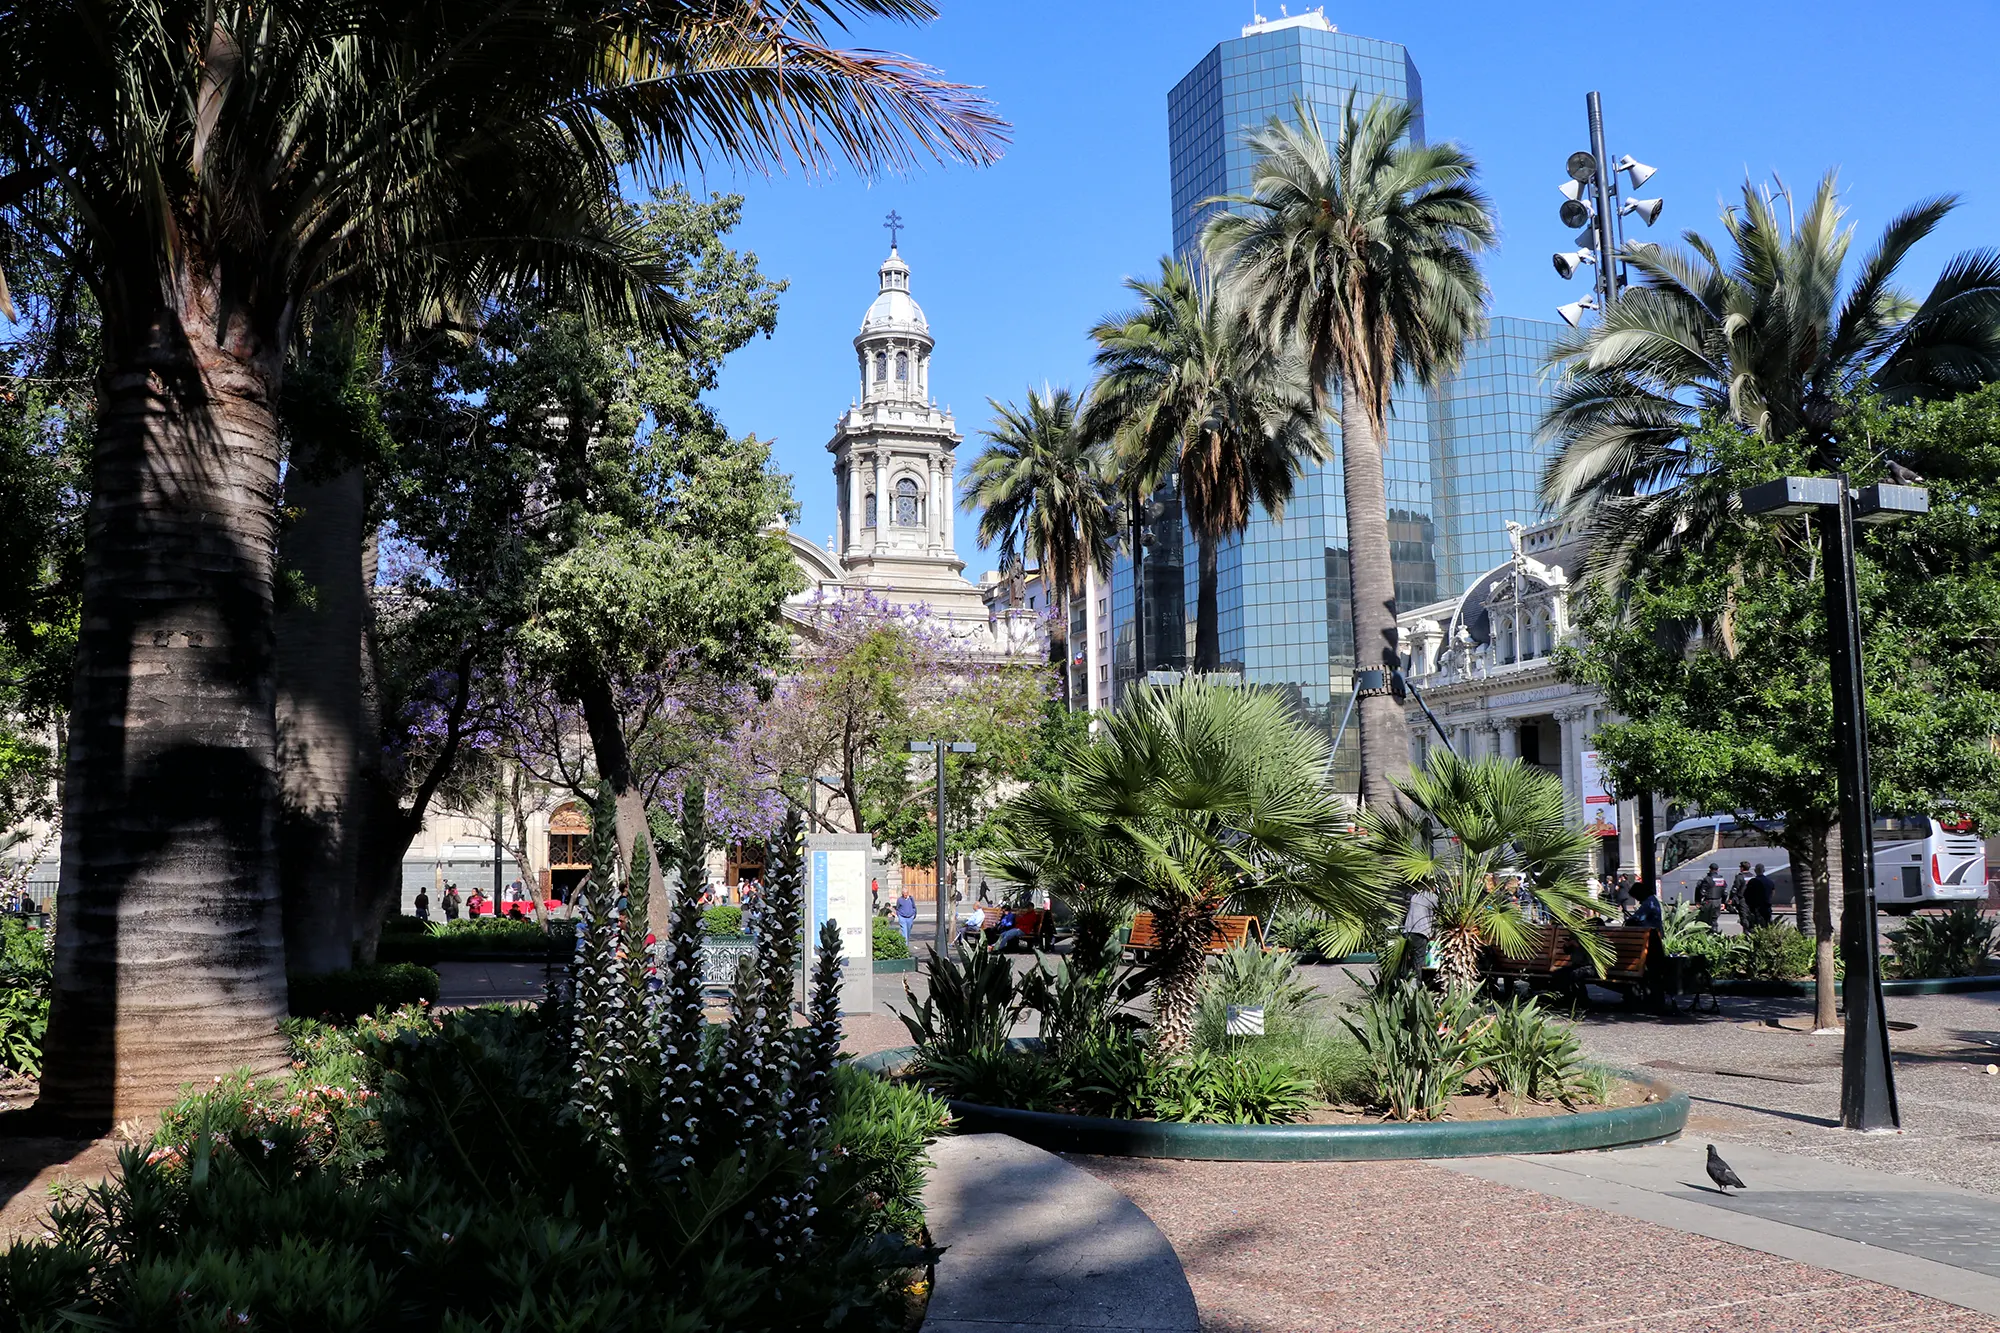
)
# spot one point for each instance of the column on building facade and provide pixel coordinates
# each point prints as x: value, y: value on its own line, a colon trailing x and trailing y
x: 1572, y: 780
x: 948, y: 501
x: 939, y: 501
x: 857, y: 498
x: 1488, y: 743
x: 883, y: 505
x: 1507, y: 738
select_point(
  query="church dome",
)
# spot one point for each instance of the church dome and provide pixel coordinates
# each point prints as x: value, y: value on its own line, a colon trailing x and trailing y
x: 895, y: 310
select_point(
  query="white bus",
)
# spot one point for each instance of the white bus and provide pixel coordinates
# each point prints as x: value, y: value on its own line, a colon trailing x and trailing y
x: 1919, y: 861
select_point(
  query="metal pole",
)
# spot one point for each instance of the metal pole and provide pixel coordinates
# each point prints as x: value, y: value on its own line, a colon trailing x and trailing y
x: 1649, y: 870
x: 942, y: 938
x: 499, y: 815
x: 1867, y: 1077
x: 1607, y: 277
x: 1138, y: 590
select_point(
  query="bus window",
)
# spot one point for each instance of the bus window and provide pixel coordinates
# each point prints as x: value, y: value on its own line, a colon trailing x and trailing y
x: 1677, y: 849
x: 1748, y: 835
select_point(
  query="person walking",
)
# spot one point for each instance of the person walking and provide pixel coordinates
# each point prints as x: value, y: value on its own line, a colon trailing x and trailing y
x: 450, y: 901
x: 423, y: 905
x: 1417, y: 932
x: 1706, y: 905
x: 1737, y: 886
x: 1757, y: 900
x: 906, y: 914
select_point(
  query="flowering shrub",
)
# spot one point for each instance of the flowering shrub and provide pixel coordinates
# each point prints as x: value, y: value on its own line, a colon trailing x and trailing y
x: 605, y: 1162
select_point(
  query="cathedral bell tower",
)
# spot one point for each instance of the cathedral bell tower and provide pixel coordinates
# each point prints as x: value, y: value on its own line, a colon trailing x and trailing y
x: 895, y: 455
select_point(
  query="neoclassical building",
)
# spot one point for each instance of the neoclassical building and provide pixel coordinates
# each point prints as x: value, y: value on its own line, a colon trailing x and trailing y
x: 1483, y: 662
x: 895, y: 466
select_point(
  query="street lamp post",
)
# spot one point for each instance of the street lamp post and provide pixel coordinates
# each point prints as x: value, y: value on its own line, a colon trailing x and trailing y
x: 1867, y: 1078
x: 941, y: 747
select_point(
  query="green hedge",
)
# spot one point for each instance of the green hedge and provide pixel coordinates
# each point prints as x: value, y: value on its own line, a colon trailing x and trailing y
x: 724, y: 920
x: 889, y: 942
x: 446, y: 939
x: 347, y: 995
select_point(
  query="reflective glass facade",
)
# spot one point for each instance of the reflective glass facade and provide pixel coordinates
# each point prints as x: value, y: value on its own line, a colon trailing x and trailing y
x: 1458, y: 462
x: 1487, y: 463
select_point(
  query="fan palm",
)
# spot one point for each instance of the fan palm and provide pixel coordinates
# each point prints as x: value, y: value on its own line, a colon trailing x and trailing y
x: 1193, y: 801
x: 1480, y: 834
x: 1764, y: 338
x: 1037, y: 488
x: 226, y: 163
x: 1358, y: 251
x: 1185, y: 388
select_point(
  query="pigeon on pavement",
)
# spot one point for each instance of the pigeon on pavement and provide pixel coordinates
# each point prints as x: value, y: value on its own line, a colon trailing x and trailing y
x: 1720, y: 1171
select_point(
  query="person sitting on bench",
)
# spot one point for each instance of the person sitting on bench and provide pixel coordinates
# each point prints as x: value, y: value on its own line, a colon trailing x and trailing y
x: 1647, y: 913
x: 1009, y: 932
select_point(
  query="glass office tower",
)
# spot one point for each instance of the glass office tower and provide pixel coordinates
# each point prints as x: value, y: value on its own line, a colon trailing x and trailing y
x: 1459, y: 462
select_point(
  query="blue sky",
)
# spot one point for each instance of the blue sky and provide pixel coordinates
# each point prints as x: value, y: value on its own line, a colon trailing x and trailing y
x: 1013, y: 263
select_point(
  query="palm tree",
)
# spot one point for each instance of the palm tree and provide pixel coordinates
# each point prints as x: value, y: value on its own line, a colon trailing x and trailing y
x: 1039, y: 490
x: 1185, y: 387
x: 1359, y: 252
x: 1191, y: 802
x: 226, y: 163
x: 1765, y: 339
x: 1475, y: 833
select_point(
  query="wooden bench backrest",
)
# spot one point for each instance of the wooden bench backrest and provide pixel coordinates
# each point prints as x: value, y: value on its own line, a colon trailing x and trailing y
x: 1230, y: 932
x: 1630, y: 946
x: 1026, y: 919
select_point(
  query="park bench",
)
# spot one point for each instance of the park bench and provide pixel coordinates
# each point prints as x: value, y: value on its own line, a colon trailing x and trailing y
x: 1225, y: 933
x: 1038, y: 928
x: 1551, y: 960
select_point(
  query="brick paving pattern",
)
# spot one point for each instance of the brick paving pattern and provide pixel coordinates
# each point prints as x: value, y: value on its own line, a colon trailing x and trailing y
x: 1403, y: 1247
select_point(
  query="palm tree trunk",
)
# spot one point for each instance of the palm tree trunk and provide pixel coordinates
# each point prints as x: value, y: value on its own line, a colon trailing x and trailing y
x: 1207, y: 628
x: 1385, y: 736
x: 320, y: 742
x: 169, y: 965
x: 1183, y: 933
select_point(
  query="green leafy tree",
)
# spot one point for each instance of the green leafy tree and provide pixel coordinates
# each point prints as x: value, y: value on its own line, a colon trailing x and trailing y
x: 1186, y: 390
x: 1357, y: 251
x: 1717, y: 655
x: 1038, y: 489
x: 223, y: 165
x: 1189, y: 803
x: 1766, y: 335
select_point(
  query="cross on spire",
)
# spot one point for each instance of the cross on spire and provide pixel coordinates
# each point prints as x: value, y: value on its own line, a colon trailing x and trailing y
x: 894, y: 224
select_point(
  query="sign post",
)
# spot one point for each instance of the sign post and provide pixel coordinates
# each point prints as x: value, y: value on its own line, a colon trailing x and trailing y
x: 837, y: 872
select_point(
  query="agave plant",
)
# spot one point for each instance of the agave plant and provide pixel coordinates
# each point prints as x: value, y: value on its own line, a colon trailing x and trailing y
x: 1488, y: 836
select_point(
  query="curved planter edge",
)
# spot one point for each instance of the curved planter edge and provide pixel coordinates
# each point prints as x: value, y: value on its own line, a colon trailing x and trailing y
x: 1891, y: 986
x: 1389, y: 1141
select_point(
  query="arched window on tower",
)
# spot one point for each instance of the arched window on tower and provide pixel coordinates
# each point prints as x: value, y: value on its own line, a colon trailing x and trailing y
x: 881, y: 366
x: 907, y: 506
x: 902, y: 367
x: 868, y: 511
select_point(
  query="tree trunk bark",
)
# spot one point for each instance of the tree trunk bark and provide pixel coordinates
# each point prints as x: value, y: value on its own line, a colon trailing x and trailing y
x: 1183, y: 932
x: 320, y: 742
x: 614, y: 765
x: 1385, y: 735
x: 1826, y: 950
x: 169, y: 961
x: 1207, y: 629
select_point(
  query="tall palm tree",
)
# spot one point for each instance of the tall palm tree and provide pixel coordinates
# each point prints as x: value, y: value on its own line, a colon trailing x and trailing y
x: 1359, y: 252
x: 1190, y: 802
x: 227, y: 162
x: 1186, y: 387
x: 1476, y: 833
x: 1039, y: 490
x: 1764, y: 337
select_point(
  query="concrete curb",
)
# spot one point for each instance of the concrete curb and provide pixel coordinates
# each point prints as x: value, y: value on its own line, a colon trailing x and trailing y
x: 1033, y: 1244
x: 1575, y: 1132
x: 1890, y: 986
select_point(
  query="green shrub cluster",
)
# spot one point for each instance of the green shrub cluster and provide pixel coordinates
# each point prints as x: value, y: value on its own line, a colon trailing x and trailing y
x: 722, y: 920
x: 348, y: 994
x: 1777, y: 952
x: 1423, y: 1048
x: 604, y: 1162
x: 1954, y: 944
x: 432, y: 941
x: 889, y: 941
x: 1095, y: 1059
x: 27, y: 972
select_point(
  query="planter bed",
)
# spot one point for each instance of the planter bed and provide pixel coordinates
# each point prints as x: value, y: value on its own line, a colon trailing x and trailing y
x: 1890, y: 986
x: 1570, y: 1131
